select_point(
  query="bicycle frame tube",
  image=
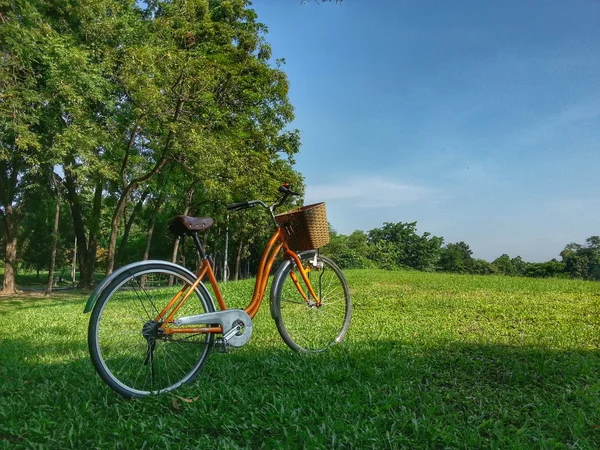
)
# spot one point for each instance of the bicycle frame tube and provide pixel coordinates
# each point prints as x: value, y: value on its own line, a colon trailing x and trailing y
x: 297, y: 284
x: 264, y: 268
x: 276, y: 244
x: 189, y: 290
x: 303, y: 272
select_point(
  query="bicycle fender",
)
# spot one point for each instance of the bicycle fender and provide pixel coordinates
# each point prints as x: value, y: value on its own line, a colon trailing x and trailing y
x: 278, y: 278
x: 106, y: 281
x: 100, y: 287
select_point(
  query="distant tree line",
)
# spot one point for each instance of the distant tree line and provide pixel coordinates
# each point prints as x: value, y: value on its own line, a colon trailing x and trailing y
x: 399, y: 246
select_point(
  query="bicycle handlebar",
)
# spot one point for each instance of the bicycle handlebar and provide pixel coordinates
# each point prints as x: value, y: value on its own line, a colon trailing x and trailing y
x: 237, y: 206
x: 284, y: 189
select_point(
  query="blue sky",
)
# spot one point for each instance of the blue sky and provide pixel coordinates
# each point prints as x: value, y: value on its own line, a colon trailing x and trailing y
x: 480, y: 120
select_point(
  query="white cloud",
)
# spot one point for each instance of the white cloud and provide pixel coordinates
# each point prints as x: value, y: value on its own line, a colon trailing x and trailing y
x: 370, y: 191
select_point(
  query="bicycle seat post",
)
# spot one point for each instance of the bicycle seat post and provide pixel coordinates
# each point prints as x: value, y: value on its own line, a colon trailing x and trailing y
x: 198, y: 246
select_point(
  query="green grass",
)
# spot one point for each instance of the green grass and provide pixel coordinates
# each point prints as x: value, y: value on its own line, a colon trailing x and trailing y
x: 431, y: 361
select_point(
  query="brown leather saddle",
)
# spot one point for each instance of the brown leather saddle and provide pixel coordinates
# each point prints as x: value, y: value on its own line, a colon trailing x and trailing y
x: 186, y: 225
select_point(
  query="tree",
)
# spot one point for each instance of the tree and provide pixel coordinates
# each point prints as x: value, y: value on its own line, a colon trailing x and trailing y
x: 49, y: 110
x: 456, y: 258
x: 212, y: 91
x: 518, y: 265
x: 481, y: 267
x: 426, y: 252
x: 20, y: 106
x: 504, y: 265
x: 39, y: 220
x: 55, y: 228
x: 583, y: 261
x: 592, y: 245
x: 547, y: 269
x: 9, y: 215
x: 398, y: 245
x: 349, y: 252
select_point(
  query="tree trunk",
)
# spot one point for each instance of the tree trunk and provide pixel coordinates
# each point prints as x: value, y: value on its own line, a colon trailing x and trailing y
x: 76, y: 216
x: 54, y: 236
x: 177, y: 240
x: 151, y: 223
x: 238, y: 261
x: 9, y: 180
x: 87, y: 269
x: 114, y: 229
x: 217, y: 265
x: 86, y: 248
x: 176, y: 247
x: 134, y: 213
x: 175, y: 250
x: 9, y: 285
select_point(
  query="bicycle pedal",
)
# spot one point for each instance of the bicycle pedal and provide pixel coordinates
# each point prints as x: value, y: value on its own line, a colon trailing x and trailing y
x: 222, y: 346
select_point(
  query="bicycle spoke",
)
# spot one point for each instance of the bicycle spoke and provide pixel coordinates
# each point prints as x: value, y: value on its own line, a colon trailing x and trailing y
x: 127, y: 346
x: 147, y: 296
x: 318, y: 323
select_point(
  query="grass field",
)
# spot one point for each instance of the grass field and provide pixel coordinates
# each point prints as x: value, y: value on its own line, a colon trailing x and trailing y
x: 431, y: 361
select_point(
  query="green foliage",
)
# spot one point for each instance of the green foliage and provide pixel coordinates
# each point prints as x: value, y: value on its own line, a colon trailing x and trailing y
x: 481, y: 267
x: 456, y: 258
x: 583, y: 261
x: 504, y: 265
x: 507, y: 266
x: 175, y: 102
x: 35, y: 237
x: 398, y: 245
x: 349, y: 252
x: 547, y: 269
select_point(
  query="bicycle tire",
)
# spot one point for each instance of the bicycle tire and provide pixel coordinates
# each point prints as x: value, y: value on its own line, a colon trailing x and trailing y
x: 304, y: 325
x: 127, y: 356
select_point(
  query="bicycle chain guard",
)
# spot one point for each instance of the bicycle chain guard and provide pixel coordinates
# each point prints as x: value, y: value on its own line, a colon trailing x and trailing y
x: 236, y: 324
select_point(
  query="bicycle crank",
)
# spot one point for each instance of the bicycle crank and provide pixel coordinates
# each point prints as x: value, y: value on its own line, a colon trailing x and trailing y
x: 236, y: 324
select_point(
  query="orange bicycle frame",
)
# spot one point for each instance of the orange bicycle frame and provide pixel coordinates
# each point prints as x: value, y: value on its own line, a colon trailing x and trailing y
x: 276, y: 244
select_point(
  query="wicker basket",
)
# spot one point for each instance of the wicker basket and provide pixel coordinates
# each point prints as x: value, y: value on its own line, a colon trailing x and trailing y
x: 306, y: 228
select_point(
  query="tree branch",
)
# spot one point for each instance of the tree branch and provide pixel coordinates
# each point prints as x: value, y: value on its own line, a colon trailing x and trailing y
x: 163, y: 159
x: 127, y: 151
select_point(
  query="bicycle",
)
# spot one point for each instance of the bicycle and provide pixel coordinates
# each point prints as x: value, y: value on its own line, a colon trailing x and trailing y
x: 147, y: 336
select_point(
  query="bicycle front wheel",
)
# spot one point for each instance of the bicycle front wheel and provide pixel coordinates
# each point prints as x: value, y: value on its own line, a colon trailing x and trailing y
x: 309, y: 324
x: 129, y: 348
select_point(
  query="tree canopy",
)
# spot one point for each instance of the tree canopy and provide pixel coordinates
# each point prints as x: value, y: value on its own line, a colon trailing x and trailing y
x: 136, y: 104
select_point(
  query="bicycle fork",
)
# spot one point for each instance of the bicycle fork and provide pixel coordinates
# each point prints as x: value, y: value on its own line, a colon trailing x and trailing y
x: 317, y: 296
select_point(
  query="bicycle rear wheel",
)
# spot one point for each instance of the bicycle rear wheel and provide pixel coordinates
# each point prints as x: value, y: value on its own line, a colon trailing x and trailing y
x: 309, y: 324
x: 127, y: 346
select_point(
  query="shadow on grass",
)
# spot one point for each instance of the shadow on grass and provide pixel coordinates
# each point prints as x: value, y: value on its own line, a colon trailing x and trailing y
x: 37, y: 300
x: 372, y: 394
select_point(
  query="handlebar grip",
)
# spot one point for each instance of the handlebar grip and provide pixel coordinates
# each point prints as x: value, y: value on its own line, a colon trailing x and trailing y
x: 285, y: 189
x: 237, y: 205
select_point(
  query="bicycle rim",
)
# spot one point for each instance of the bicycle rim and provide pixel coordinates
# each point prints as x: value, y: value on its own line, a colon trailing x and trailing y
x: 312, y: 325
x: 130, y: 353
